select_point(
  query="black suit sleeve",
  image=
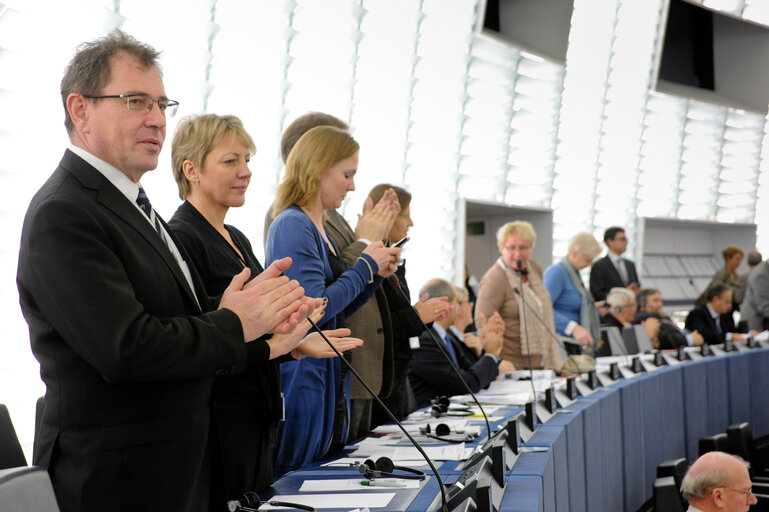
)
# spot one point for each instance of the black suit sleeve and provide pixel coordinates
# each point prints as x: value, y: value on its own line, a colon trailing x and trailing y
x: 431, y: 367
x: 699, y: 319
x: 599, y: 280
x: 92, y: 286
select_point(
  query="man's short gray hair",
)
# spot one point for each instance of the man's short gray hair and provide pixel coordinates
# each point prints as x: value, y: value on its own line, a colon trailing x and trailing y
x: 618, y: 296
x: 700, y: 484
x: 438, y: 288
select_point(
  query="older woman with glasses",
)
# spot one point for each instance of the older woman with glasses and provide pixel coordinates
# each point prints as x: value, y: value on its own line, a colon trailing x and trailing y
x: 527, y: 343
x: 210, y: 158
x: 574, y: 310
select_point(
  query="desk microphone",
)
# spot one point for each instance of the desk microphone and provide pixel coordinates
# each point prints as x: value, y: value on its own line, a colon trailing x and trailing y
x: 397, y: 284
x: 444, y: 502
x: 519, y: 270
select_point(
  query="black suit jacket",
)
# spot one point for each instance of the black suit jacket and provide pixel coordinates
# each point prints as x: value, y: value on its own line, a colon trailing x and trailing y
x: 125, y: 353
x: 431, y: 375
x: 604, y: 276
x: 699, y: 318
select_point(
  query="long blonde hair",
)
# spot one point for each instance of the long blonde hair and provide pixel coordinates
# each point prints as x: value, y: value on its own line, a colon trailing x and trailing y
x: 314, y: 153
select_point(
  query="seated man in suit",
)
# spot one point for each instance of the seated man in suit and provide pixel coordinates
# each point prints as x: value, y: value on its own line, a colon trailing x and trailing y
x: 713, y: 319
x: 622, y: 309
x: 613, y: 271
x: 649, y: 301
x: 431, y: 374
x: 718, y: 482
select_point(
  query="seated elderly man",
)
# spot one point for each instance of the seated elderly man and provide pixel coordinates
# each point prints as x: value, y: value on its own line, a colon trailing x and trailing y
x: 718, y: 482
x: 431, y: 374
x: 714, y: 317
x: 649, y: 301
x: 622, y: 309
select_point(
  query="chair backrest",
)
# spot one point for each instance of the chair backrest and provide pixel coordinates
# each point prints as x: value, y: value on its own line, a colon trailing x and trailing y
x: 11, y: 454
x: 675, y: 468
x: 28, y: 489
x: 666, y: 495
x: 629, y: 337
x: 741, y: 442
x: 716, y: 443
x: 642, y: 338
x: 613, y: 337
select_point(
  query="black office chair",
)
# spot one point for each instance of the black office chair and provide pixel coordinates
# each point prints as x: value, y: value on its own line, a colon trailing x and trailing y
x: 716, y: 443
x: 667, y: 497
x: 675, y: 468
x: 743, y: 444
x: 11, y: 454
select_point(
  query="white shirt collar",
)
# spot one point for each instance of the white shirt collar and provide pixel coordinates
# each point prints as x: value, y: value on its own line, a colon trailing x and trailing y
x: 713, y: 314
x: 456, y: 332
x: 114, y: 175
x: 614, y: 258
x: 440, y: 330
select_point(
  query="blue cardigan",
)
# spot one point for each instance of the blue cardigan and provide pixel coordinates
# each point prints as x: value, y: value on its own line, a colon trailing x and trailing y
x: 310, y: 385
x: 567, y: 301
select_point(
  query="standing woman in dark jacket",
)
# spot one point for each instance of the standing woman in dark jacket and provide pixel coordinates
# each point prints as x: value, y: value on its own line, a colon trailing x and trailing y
x: 406, y: 322
x: 210, y: 158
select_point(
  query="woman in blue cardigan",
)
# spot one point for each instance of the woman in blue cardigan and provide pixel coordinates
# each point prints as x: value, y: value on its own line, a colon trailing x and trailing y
x: 574, y: 309
x: 320, y: 171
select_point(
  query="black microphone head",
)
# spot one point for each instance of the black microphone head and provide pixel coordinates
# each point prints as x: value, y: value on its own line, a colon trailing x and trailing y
x: 519, y: 264
x: 394, y: 280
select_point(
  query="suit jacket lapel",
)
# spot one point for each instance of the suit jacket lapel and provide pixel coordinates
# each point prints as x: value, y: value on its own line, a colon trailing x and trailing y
x: 117, y: 203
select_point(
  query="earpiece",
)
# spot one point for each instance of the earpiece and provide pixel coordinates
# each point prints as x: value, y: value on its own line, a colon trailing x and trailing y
x: 441, y: 430
x: 250, y: 502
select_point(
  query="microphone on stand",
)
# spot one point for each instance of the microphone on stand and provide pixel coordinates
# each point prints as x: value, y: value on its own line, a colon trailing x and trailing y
x: 444, y: 502
x: 558, y: 341
x: 519, y: 270
x: 397, y: 284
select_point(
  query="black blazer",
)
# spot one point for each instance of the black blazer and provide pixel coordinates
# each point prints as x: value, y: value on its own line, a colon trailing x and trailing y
x: 431, y: 375
x: 246, y: 407
x: 699, y: 318
x: 604, y: 276
x: 127, y: 358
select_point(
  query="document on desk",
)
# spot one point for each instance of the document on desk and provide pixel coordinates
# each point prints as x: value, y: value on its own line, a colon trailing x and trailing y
x: 355, y: 484
x: 452, y: 423
x: 447, y: 452
x: 335, y: 500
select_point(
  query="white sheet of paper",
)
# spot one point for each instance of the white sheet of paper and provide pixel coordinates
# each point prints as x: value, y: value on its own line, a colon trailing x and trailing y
x: 353, y: 500
x: 347, y: 461
x: 401, y: 453
x: 354, y: 484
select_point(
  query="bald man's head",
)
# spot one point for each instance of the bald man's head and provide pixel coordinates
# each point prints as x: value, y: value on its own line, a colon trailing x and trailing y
x: 718, y: 481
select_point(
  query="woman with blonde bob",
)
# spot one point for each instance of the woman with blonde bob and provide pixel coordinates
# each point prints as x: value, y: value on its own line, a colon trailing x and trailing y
x: 576, y: 317
x: 210, y: 156
x: 320, y: 171
x: 525, y: 345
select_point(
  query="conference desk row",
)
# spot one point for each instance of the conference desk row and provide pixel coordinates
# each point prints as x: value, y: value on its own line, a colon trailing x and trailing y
x: 602, y: 454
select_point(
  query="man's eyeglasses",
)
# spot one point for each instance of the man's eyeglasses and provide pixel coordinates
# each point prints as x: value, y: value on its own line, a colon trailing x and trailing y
x: 142, y: 103
x: 747, y: 492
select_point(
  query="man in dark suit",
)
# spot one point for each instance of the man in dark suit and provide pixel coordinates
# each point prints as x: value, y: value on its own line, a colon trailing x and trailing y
x: 713, y: 319
x: 127, y: 340
x: 430, y: 374
x: 613, y: 270
x: 650, y: 304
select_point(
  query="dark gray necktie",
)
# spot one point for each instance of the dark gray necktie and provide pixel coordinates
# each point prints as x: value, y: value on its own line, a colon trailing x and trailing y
x: 144, y: 203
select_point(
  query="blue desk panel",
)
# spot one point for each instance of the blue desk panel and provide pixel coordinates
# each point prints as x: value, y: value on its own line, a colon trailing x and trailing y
x: 604, y: 454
